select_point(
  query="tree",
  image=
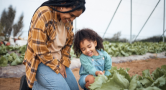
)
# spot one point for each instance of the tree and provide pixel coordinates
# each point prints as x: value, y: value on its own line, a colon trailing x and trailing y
x: 6, y: 22
x: 116, y: 36
x: 1, y: 27
x: 3, y: 21
x: 18, y: 26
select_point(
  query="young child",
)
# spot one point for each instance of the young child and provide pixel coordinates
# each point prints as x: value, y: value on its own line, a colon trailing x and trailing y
x: 94, y: 61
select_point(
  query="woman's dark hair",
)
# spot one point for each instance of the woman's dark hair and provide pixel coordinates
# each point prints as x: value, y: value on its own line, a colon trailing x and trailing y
x: 89, y: 35
x: 76, y: 4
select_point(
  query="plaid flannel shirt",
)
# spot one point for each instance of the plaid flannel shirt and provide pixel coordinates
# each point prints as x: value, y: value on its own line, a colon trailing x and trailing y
x: 41, y: 35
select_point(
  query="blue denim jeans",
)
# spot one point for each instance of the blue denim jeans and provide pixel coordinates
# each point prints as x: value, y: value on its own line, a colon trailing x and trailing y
x: 47, y: 79
x: 82, y: 81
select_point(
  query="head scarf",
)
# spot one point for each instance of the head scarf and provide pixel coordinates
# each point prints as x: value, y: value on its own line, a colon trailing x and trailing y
x: 76, y: 4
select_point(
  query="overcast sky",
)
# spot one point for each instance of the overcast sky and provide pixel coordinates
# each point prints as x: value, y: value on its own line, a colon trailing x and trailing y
x: 99, y: 13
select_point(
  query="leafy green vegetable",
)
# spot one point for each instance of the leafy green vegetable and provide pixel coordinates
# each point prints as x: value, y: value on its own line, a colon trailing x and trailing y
x: 22, y: 56
x: 12, y: 59
x: 127, y: 49
x: 22, y: 49
x: 16, y: 62
x: 11, y: 48
x: 98, y: 82
x: 138, y: 48
x: 3, y: 49
x: 120, y: 80
x: 3, y: 61
x: 133, y: 83
x: 14, y: 55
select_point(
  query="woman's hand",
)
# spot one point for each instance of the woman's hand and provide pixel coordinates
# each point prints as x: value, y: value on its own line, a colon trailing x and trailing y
x: 63, y: 71
x: 99, y: 73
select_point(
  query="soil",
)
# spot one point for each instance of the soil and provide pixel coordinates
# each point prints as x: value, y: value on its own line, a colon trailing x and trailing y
x: 136, y: 67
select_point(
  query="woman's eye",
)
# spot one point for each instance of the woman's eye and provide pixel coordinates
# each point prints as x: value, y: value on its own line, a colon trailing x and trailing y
x: 72, y: 16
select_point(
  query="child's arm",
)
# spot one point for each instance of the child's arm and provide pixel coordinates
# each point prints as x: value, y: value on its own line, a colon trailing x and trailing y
x: 107, y: 63
x: 86, y: 63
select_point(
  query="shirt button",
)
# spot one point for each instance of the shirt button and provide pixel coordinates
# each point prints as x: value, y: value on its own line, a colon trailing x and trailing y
x: 103, y: 58
x: 92, y: 59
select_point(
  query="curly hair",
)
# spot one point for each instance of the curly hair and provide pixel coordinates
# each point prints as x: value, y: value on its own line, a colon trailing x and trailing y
x: 89, y: 35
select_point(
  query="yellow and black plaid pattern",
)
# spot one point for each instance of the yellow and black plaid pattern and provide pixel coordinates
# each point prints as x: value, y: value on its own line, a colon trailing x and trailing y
x: 41, y: 35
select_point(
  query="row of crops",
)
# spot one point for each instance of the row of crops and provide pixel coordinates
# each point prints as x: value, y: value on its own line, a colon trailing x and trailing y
x: 136, y: 48
x: 113, y: 49
x: 121, y: 80
x: 127, y: 49
x: 13, y: 58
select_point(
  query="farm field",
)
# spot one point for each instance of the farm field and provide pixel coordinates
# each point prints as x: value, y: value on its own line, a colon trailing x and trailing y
x: 136, y: 67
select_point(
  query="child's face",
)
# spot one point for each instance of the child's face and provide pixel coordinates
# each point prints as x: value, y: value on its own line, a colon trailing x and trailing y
x: 88, y: 48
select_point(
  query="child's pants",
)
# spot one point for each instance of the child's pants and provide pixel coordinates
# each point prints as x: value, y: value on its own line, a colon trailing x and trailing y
x: 82, y: 81
x: 47, y: 79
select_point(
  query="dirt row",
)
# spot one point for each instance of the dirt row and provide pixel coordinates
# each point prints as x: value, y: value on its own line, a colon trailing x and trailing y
x: 136, y: 67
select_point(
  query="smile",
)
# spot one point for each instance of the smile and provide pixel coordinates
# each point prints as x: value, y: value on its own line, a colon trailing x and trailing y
x: 89, y: 54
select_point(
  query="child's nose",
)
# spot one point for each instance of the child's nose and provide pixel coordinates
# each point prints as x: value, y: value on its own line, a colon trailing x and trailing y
x: 87, y: 50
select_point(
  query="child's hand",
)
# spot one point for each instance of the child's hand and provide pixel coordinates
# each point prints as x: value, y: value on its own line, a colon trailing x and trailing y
x: 99, y: 73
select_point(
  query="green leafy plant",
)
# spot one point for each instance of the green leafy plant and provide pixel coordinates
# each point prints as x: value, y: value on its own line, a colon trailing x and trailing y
x: 120, y: 80
x: 12, y: 48
x: 16, y: 59
x: 136, y: 48
x: 3, y: 61
x: 3, y: 49
x: 127, y: 49
x: 22, y: 49
x: 13, y: 59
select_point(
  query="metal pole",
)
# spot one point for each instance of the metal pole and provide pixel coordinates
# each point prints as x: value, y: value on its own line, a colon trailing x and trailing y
x: 131, y: 23
x: 112, y: 18
x: 164, y: 22
x: 162, y: 34
x: 147, y: 20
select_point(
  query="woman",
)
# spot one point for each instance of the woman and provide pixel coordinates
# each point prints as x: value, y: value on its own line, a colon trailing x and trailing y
x: 50, y: 37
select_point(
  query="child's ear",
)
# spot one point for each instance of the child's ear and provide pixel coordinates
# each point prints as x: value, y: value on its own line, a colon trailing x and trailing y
x: 95, y: 43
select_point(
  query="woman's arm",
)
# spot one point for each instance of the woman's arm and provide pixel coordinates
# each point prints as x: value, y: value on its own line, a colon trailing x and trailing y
x: 39, y: 29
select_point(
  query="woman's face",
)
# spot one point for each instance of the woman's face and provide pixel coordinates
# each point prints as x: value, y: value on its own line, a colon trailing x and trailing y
x: 69, y: 17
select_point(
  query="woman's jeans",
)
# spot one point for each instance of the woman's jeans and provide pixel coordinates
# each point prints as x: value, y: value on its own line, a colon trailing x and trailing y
x: 47, y: 79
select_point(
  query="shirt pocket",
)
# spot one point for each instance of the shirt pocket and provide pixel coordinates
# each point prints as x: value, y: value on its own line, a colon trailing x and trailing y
x: 98, y: 62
